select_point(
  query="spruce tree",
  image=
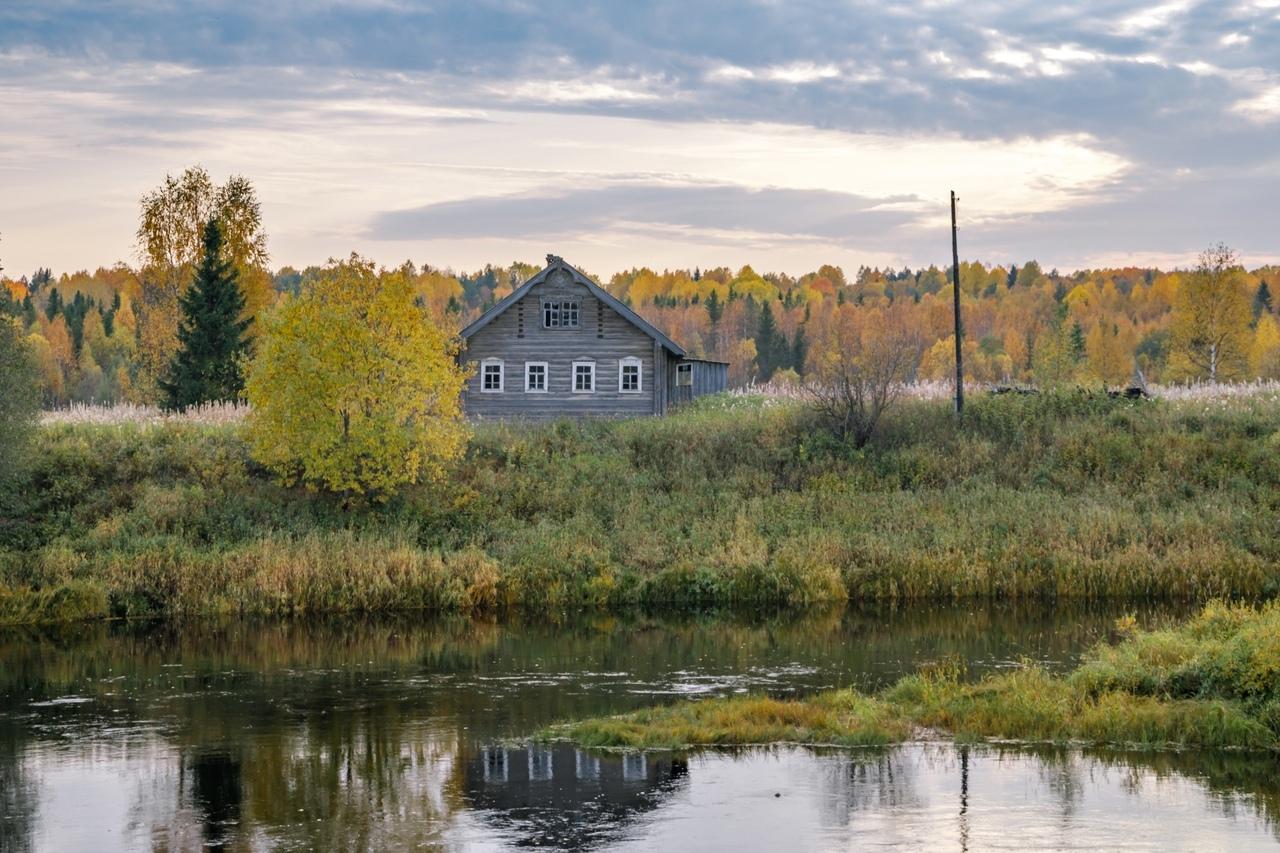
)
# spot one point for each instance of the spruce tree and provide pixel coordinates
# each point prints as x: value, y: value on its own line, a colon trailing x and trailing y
x: 715, y: 308
x: 799, y: 351
x: 770, y: 344
x: 53, y: 306
x: 211, y: 338
x: 1077, y: 342
x: 1261, y: 300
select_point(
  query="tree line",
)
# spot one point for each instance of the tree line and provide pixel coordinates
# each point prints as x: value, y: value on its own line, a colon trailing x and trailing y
x: 114, y: 334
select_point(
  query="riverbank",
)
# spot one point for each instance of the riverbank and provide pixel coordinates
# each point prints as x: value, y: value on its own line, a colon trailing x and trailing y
x: 1213, y: 682
x: 736, y: 501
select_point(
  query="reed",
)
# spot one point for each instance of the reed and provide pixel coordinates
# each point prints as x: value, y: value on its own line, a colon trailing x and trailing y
x: 733, y: 501
x: 1209, y: 683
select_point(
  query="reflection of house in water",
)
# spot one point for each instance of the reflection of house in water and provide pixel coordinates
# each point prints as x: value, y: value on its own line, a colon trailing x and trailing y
x: 557, y: 795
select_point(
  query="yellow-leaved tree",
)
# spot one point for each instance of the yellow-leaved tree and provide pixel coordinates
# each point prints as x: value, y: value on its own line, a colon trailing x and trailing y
x: 1212, y: 313
x: 354, y: 389
x: 1110, y: 353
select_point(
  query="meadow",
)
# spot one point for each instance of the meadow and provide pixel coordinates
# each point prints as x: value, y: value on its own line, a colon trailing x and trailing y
x: 739, y: 500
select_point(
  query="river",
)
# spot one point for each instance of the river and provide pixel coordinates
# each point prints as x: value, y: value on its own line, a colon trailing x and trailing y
x: 406, y: 732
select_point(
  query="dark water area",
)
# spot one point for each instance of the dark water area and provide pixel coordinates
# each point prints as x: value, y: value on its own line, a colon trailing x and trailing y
x: 407, y: 733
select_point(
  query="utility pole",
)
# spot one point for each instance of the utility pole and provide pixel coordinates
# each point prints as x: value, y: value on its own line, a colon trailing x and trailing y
x: 955, y: 280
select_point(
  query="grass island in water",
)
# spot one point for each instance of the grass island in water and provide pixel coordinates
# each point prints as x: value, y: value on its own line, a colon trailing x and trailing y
x: 1213, y: 682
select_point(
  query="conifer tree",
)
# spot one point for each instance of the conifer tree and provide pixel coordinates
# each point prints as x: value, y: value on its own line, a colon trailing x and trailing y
x: 54, y: 305
x: 799, y: 351
x: 771, y: 346
x: 211, y: 339
x: 1077, y: 342
x: 715, y: 308
x: 1261, y: 301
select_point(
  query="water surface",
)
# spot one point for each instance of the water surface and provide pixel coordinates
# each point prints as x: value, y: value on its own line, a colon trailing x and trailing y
x: 396, y: 733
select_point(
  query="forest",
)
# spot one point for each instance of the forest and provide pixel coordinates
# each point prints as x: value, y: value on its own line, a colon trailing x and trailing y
x: 110, y: 335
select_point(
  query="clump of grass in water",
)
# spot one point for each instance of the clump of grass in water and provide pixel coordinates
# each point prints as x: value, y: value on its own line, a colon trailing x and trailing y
x: 1213, y: 682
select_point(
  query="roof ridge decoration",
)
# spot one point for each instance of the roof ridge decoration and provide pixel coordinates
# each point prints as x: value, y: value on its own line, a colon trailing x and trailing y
x: 555, y: 262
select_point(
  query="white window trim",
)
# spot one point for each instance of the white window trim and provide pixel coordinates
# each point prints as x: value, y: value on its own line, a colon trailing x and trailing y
x: 502, y: 376
x: 577, y: 313
x: 573, y: 377
x: 546, y: 377
x: 639, y: 365
x: 686, y: 369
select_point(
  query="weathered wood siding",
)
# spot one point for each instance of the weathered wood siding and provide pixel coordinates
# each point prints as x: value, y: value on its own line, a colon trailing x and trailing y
x: 709, y: 377
x: 517, y: 336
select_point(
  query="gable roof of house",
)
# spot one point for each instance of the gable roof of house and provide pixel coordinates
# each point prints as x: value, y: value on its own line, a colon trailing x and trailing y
x: 555, y: 263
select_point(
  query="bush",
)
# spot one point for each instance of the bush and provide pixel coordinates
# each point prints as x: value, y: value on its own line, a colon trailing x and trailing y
x: 729, y: 500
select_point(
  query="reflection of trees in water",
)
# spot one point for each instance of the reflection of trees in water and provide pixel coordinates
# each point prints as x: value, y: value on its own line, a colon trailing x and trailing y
x: 350, y: 784
x: 1235, y: 782
x: 876, y: 641
x: 347, y: 732
x: 559, y: 796
x: 217, y: 792
x: 864, y: 780
x: 18, y: 800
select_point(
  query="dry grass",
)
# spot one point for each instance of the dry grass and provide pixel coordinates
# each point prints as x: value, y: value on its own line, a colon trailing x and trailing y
x: 1210, y: 683
x: 731, y: 501
x: 118, y: 414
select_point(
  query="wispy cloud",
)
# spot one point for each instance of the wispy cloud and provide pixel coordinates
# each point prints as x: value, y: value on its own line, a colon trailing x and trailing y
x: 1061, y: 124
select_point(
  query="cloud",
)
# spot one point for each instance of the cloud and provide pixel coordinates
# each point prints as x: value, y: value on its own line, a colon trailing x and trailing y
x: 339, y: 109
x: 692, y: 209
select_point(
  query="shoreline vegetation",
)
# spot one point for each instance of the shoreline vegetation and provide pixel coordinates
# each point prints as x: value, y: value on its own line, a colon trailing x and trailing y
x: 734, y: 501
x: 1212, y: 682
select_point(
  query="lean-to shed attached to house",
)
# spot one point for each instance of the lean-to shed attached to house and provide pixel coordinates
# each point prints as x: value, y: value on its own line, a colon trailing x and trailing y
x: 561, y: 346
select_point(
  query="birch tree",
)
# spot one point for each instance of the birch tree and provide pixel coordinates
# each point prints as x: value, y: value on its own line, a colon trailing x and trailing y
x: 1212, y: 313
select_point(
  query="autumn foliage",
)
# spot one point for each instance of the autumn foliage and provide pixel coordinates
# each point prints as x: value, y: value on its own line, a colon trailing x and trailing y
x: 111, y: 335
x: 354, y: 389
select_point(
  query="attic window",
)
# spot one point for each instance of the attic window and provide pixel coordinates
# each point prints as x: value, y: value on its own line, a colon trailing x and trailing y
x: 684, y: 375
x: 560, y: 314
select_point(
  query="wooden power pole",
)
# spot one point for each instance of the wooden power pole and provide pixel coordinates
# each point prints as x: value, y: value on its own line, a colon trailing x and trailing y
x: 955, y: 281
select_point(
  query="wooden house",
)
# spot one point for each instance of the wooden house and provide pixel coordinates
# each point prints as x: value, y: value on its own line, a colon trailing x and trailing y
x: 561, y: 346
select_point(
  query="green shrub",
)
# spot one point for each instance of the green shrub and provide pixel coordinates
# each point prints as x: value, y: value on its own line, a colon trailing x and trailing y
x: 1065, y: 494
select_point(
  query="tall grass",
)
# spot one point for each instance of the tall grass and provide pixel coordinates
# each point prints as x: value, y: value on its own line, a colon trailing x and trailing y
x: 733, y: 501
x: 1210, y: 683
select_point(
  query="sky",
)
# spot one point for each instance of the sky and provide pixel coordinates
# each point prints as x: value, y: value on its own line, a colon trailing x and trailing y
x: 669, y: 134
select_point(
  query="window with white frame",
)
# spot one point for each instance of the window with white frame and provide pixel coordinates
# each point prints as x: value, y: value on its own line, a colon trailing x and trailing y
x: 491, y: 378
x: 560, y: 314
x: 684, y: 374
x: 535, y: 377
x: 629, y: 376
x: 584, y: 377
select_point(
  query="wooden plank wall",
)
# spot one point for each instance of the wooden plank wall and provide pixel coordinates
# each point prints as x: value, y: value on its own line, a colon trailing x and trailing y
x: 709, y: 377
x: 603, y: 336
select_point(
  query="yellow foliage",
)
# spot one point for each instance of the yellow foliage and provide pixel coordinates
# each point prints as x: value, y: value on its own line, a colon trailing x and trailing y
x: 17, y: 290
x: 354, y: 388
x: 1211, y: 318
x: 435, y: 288
x: 1110, y: 354
x: 742, y: 361
x: 1264, y: 355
